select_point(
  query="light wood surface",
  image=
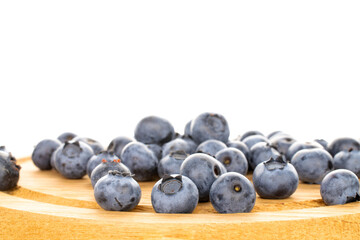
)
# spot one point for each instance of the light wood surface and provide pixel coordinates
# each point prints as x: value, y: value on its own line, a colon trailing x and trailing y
x: 48, y: 205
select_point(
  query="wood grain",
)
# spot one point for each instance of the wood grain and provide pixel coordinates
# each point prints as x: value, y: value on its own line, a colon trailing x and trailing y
x: 46, y: 203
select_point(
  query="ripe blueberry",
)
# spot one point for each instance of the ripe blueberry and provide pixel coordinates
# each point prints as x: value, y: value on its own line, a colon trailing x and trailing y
x: 209, y: 126
x: 174, y: 194
x: 233, y: 160
x: 42, y: 153
x: 71, y: 159
x: 312, y: 164
x: 154, y: 129
x: 140, y: 160
x: 275, y: 179
x: 117, y: 191
x: 339, y: 187
x: 232, y: 193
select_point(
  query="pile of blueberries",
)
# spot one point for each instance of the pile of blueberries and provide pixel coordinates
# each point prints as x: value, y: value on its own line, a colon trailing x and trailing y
x: 203, y: 165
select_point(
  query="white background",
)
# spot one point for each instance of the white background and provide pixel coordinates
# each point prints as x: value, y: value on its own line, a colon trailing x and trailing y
x: 97, y: 67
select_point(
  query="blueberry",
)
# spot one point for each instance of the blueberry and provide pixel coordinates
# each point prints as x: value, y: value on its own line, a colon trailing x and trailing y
x: 187, y: 129
x: 42, y: 153
x: 312, y: 164
x: 272, y: 134
x: 343, y: 144
x: 339, y: 187
x: 211, y: 147
x: 71, y: 159
x: 282, y: 142
x: 156, y: 149
x: 203, y: 170
x: 104, y: 167
x: 241, y: 146
x: 250, y: 133
x: 233, y: 160
x: 117, y: 191
x: 322, y: 142
x: 171, y: 163
x: 297, y: 146
x: 232, y: 193
x: 178, y: 144
x: 95, y: 160
x: 254, y: 139
x: 118, y: 143
x: 348, y: 160
x: 140, y: 160
x: 9, y: 172
x: 209, y: 126
x: 66, y: 137
x: 174, y: 194
x: 154, y: 129
x: 95, y: 145
x: 261, y: 152
x: 275, y: 179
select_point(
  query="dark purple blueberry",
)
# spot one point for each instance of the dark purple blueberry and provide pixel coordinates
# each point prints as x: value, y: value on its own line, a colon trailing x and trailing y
x: 174, y: 194
x: 209, y: 126
x: 203, y: 170
x: 233, y: 160
x: 42, y: 153
x: 343, y: 144
x: 211, y: 147
x: 232, y: 193
x: 154, y: 129
x: 275, y: 179
x: 117, y: 191
x: 348, y: 160
x: 312, y: 164
x: 339, y: 187
x: 117, y: 144
x: 140, y: 160
x: 71, y: 159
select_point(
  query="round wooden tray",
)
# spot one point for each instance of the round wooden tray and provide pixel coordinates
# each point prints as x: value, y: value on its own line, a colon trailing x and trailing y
x: 48, y: 206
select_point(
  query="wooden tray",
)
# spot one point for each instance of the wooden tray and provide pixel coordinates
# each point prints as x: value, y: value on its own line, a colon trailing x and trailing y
x: 48, y: 206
